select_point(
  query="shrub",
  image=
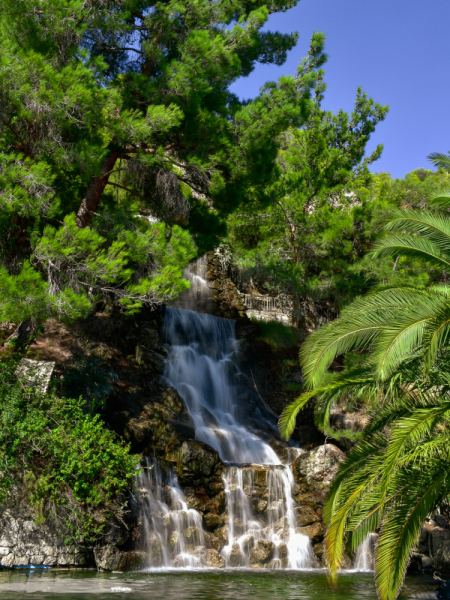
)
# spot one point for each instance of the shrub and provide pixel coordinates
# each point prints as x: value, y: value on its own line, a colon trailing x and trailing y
x: 69, y: 461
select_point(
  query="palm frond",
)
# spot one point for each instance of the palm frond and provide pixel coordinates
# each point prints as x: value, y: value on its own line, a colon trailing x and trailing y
x: 358, y: 328
x: 412, y: 246
x: 400, y: 530
x: 358, y: 486
x: 433, y: 226
x: 356, y: 460
x: 441, y: 198
x: 437, y: 334
x: 440, y: 160
x: 410, y: 430
x: 286, y: 422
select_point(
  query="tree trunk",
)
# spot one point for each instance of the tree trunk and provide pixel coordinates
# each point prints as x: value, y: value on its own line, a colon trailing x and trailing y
x: 95, y: 190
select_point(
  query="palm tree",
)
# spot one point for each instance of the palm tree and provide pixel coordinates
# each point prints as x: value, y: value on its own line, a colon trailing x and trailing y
x: 391, y: 324
x: 397, y: 474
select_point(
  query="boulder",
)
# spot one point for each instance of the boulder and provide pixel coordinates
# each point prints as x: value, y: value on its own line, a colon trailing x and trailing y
x: 134, y: 561
x: 192, y: 536
x: 199, y: 555
x: 262, y: 551
x: 212, y: 542
x: 283, y: 551
x: 305, y: 515
x: 212, y: 521
x: 439, y: 540
x: 274, y: 564
x: 318, y: 467
x: 138, y: 432
x: 315, y: 532
x: 198, y: 460
x: 214, y: 560
x: 236, y: 558
x: 247, y: 543
x: 108, y: 558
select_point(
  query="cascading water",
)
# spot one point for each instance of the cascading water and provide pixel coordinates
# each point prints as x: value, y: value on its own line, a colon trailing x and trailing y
x: 202, y: 367
x: 364, y: 557
x: 171, y: 529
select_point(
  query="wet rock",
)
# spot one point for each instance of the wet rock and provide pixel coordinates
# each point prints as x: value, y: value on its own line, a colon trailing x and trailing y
x: 155, y: 552
x: 283, y: 551
x: 222, y: 533
x: 108, y: 558
x: 182, y: 561
x: 318, y: 467
x: 213, y: 542
x: 212, y: 521
x: 262, y: 551
x: 236, y: 559
x: 260, y: 506
x: 315, y: 532
x: 247, y: 543
x: 214, y: 560
x: 199, y: 555
x: 198, y: 460
x: 134, y: 561
x: 192, y: 536
x: 305, y: 515
x: 174, y: 540
x: 319, y: 552
x: 274, y: 564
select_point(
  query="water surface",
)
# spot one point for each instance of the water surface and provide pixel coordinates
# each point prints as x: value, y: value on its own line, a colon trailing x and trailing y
x: 52, y: 584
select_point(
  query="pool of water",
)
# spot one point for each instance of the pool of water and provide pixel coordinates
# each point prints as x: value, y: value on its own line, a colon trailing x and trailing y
x: 50, y: 584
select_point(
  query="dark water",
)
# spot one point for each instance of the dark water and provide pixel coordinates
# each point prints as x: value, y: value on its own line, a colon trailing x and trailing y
x: 51, y: 584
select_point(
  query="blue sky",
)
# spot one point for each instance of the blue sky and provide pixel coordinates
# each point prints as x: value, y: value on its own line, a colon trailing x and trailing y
x: 398, y: 51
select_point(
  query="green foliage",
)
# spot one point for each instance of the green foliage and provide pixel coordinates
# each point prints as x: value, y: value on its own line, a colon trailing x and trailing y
x: 395, y: 322
x: 114, y: 110
x: 278, y: 334
x: 395, y: 477
x: 311, y: 225
x: 397, y: 474
x: 68, y: 458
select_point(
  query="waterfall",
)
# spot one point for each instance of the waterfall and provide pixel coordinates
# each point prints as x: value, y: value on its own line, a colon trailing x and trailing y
x: 171, y: 530
x: 202, y: 365
x: 364, y: 558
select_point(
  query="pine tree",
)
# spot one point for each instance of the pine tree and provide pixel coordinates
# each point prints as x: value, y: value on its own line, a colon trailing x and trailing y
x: 309, y: 233
x: 114, y: 108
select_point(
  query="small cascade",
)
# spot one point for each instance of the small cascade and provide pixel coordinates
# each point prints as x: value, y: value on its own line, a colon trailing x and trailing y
x: 364, y: 557
x: 261, y: 520
x: 202, y: 365
x: 172, y: 531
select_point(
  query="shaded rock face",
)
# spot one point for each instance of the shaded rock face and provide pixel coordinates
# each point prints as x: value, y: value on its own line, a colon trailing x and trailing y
x: 432, y: 550
x: 227, y: 301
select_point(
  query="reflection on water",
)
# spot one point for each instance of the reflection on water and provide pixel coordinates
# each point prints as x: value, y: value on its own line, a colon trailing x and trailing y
x: 199, y: 585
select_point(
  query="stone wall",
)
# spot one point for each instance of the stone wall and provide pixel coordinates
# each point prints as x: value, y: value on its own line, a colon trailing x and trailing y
x: 25, y: 542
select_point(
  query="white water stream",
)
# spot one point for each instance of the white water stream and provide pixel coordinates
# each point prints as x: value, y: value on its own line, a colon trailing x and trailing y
x: 261, y: 530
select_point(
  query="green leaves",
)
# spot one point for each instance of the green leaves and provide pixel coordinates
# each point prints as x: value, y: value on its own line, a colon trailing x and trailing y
x: 68, y: 456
